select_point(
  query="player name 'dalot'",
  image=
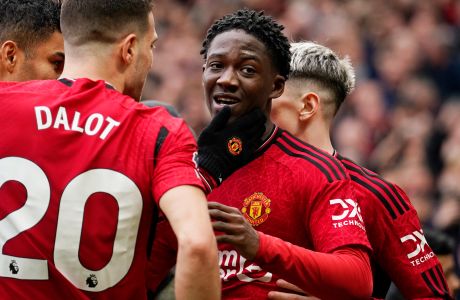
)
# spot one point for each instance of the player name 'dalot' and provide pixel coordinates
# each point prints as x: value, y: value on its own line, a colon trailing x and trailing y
x: 95, y: 124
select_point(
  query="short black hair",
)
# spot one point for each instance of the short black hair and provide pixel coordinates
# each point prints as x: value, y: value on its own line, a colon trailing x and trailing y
x: 84, y: 21
x: 262, y: 27
x: 28, y: 22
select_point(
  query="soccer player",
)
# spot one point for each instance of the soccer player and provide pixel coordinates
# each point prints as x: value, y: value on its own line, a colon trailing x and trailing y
x: 319, y: 82
x: 276, y: 217
x: 31, y: 43
x: 84, y: 169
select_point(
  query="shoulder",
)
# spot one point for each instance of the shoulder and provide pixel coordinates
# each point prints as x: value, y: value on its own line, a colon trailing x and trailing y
x: 169, y: 108
x: 308, y: 158
x: 377, y: 188
x: 33, y: 86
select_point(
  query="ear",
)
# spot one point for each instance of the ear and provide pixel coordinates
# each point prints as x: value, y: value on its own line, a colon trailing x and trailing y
x: 128, y: 48
x: 310, y: 106
x: 9, y: 55
x: 278, y: 87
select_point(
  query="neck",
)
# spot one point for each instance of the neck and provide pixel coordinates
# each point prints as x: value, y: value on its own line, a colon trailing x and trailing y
x: 94, y: 67
x: 316, y: 134
x: 268, y: 129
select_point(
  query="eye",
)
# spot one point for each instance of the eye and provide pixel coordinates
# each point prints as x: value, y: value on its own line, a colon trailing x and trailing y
x: 248, y: 70
x: 215, y: 65
x: 58, y: 65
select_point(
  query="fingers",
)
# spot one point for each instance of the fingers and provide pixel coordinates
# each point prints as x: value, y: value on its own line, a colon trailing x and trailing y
x: 289, y: 286
x: 274, y: 295
x: 220, y: 120
x: 222, y: 207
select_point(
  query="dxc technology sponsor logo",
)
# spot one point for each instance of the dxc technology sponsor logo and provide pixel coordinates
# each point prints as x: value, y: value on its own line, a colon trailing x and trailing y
x: 417, y: 240
x: 349, y: 213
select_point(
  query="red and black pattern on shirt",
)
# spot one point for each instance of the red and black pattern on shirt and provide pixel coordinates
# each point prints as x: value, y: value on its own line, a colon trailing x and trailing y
x: 435, y: 280
x: 327, y: 164
x: 388, y: 222
x: 382, y: 189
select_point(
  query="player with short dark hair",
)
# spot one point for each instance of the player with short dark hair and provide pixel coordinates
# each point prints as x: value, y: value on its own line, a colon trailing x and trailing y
x: 85, y: 168
x: 31, y: 44
x: 275, y: 217
x: 318, y: 84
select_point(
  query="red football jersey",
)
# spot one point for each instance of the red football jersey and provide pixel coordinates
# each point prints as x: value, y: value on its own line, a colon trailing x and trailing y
x: 400, y: 250
x: 297, y: 193
x: 82, y: 168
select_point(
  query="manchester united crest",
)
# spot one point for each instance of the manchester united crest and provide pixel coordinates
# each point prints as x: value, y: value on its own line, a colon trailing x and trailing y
x: 256, y: 208
x: 235, y: 146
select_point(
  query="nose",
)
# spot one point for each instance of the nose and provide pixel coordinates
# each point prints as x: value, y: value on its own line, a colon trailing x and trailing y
x: 228, y: 80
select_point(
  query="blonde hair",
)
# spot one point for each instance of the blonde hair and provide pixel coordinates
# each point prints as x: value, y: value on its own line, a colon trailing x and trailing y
x: 312, y: 61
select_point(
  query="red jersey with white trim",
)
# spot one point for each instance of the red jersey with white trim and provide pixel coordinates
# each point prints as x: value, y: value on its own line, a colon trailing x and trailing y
x: 400, y: 251
x: 297, y: 193
x: 82, y: 168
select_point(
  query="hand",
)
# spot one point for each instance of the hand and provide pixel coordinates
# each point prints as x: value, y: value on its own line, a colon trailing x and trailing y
x: 236, y: 230
x: 223, y: 148
x: 293, y: 292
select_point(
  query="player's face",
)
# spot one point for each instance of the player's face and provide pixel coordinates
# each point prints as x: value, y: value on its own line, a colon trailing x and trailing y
x: 144, y: 60
x: 46, y: 60
x: 238, y: 72
x: 285, y: 109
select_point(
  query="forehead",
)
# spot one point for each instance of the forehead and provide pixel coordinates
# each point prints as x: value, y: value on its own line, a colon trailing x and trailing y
x: 151, y: 33
x: 238, y: 41
x: 54, y: 43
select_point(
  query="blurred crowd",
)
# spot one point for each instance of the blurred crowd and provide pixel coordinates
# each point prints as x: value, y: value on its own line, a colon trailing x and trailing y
x: 403, y: 118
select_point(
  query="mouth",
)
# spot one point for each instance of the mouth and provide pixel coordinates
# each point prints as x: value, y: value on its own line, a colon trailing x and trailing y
x: 222, y: 100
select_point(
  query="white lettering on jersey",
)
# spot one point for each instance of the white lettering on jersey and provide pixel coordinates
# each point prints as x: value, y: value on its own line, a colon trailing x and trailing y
x: 93, y: 125
x: 350, y: 215
x: 232, y: 265
x: 417, y: 238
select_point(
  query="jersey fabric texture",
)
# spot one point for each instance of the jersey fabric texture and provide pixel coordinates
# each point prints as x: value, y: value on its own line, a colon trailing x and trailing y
x: 83, y: 168
x: 294, y: 192
x: 400, y: 251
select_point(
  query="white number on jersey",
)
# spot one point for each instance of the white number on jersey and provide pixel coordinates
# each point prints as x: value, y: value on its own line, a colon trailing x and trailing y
x: 70, y: 223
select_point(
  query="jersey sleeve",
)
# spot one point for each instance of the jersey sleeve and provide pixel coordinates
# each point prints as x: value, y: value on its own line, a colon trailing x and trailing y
x: 343, y: 274
x: 173, y: 158
x: 402, y: 251
x: 334, y: 219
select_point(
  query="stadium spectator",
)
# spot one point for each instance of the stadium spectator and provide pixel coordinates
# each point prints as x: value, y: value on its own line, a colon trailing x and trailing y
x: 94, y: 166
x: 318, y: 84
x: 31, y: 43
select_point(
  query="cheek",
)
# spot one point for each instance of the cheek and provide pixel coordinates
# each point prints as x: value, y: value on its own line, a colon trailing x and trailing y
x: 208, y: 84
x: 282, y: 114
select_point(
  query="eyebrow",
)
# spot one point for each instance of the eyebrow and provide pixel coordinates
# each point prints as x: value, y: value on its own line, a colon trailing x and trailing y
x: 59, y: 54
x: 245, y: 56
x: 250, y: 56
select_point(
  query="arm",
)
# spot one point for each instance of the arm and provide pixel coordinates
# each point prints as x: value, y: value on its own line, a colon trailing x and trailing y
x: 394, y: 240
x: 342, y: 274
x: 177, y: 189
x: 197, y: 274
x: 396, y: 236
x: 163, y: 255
